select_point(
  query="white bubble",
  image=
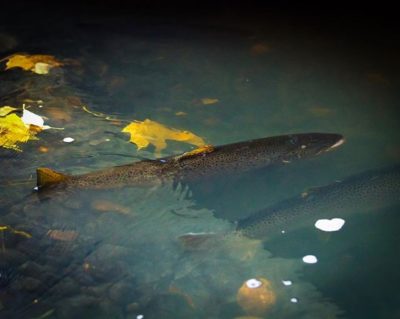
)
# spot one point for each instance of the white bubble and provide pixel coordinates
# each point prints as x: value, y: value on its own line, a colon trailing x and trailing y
x: 139, y: 317
x: 310, y: 259
x: 283, y: 232
x: 329, y: 225
x: 253, y: 283
x: 287, y: 282
x: 294, y: 300
x: 36, y: 188
x: 68, y: 139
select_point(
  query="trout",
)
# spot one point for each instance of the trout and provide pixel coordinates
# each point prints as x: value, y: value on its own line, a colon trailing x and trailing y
x: 204, y: 162
x: 362, y: 193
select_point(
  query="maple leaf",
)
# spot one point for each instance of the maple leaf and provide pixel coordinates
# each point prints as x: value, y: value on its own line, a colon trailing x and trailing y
x: 12, y: 131
x: 15, y: 129
x: 6, y: 110
x: 37, y: 63
x: 150, y: 132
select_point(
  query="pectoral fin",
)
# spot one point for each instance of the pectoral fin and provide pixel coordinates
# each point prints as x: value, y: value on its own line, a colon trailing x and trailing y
x: 46, y: 176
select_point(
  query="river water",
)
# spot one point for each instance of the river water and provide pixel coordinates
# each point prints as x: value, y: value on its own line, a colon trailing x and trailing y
x: 116, y: 253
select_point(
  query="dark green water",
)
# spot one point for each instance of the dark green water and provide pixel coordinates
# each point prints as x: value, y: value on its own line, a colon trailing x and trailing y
x: 270, y: 78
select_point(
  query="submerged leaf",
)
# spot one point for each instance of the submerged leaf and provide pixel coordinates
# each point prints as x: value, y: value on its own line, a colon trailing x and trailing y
x: 62, y: 235
x: 107, y: 206
x: 6, y: 110
x: 151, y: 132
x: 208, y: 101
x: 37, y: 63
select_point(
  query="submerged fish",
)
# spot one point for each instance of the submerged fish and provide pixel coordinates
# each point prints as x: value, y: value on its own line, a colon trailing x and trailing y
x: 361, y: 193
x: 204, y: 162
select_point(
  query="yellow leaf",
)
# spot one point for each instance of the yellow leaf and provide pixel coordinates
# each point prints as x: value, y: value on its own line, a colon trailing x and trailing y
x: 207, y: 101
x: 37, y: 63
x: 6, y: 109
x: 13, y: 131
x: 151, y: 132
x: 15, y: 231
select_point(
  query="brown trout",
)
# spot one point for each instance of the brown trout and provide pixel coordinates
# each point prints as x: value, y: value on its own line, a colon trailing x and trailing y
x: 362, y: 193
x: 201, y: 163
x: 368, y: 191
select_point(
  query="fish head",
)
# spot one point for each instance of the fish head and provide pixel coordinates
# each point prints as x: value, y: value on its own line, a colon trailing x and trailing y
x: 311, y: 144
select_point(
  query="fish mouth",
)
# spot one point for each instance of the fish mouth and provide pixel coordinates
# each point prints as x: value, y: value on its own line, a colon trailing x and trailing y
x: 341, y: 141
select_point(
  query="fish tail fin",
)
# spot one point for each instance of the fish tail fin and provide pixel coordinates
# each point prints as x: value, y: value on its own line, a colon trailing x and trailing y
x: 46, y: 176
x: 199, y: 241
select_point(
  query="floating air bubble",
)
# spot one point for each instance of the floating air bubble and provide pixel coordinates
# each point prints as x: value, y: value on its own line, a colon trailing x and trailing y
x: 68, y: 139
x: 310, y: 259
x: 329, y: 225
x: 287, y: 282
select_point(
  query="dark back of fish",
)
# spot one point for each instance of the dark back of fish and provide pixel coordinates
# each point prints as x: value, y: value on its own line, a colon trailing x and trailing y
x: 253, y: 154
x: 362, y: 193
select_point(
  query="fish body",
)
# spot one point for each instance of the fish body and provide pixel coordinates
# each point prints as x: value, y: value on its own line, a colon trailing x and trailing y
x: 208, y: 161
x: 362, y: 193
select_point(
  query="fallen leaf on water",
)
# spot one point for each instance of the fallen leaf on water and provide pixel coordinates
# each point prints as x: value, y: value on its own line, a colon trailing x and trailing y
x: 62, y: 235
x: 15, y: 231
x: 208, y: 101
x: 150, y: 132
x: 6, y: 110
x: 13, y: 131
x: 37, y: 63
x: 106, y: 206
x: 99, y: 114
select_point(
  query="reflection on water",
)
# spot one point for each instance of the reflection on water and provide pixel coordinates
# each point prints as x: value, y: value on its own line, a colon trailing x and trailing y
x: 118, y: 254
x: 82, y: 261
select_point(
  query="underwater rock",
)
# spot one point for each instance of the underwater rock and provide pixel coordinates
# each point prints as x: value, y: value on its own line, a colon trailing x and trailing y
x: 67, y: 287
x: 27, y: 284
x: 84, y: 306
x: 170, y: 306
x: 121, y: 292
x: 7, y: 274
x: 256, y: 296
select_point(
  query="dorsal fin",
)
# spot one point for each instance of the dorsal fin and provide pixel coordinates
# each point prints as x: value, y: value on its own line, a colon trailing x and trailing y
x: 46, y: 176
x: 202, y: 150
